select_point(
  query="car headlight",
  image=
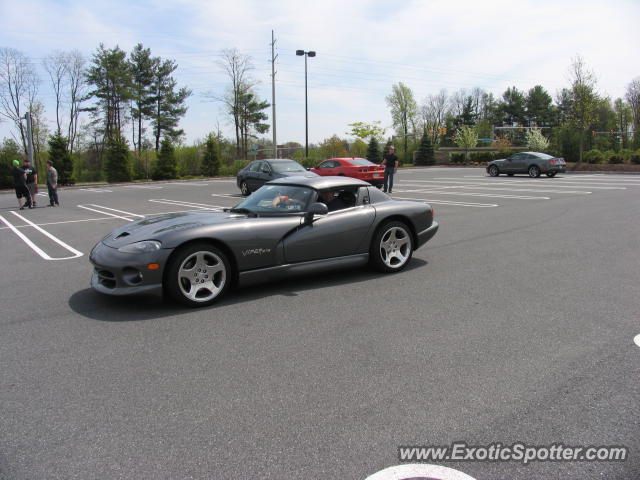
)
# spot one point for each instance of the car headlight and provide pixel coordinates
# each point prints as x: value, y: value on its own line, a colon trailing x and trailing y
x: 145, y: 246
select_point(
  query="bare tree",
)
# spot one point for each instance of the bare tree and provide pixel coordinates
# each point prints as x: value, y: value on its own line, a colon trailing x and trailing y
x: 78, y: 93
x: 584, y: 98
x: 18, y: 88
x: 56, y: 66
x: 633, y: 98
x: 237, y: 67
x: 434, y: 112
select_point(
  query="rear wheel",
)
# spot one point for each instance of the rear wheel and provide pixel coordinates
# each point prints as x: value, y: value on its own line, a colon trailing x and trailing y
x: 534, y: 171
x: 493, y: 171
x: 551, y: 174
x: 197, y: 275
x: 391, y: 248
x: 244, y: 189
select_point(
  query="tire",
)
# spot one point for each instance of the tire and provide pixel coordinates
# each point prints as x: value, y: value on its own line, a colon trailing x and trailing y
x: 197, y: 275
x: 493, y: 171
x: 551, y: 174
x: 534, y: 171
x: 244, y: 189
x: 391, y: 247
x: 511, y: 174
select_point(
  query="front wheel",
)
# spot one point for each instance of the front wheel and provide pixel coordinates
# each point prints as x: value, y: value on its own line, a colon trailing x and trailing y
x: 391, y: 248
x: 551, y: 174
x: 244, y: 189
x: 534, y: 171
x: 493, y: 171
x: 197, y: 275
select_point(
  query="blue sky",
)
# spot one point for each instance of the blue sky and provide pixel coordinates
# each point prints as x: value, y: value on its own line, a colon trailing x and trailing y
x: 363, y: 47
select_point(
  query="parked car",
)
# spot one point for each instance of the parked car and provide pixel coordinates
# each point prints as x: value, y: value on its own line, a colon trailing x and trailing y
x: 289, y: 226
x: 533, y: 163
x: 352, y: 167
x: 258, y: 172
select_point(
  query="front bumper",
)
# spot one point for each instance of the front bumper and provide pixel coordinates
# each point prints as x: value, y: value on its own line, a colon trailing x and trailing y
x: 118, y: 273
x: 426, y: 235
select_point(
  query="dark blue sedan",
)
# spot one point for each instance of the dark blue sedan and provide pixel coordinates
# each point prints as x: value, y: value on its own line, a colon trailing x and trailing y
x: 258, y: 172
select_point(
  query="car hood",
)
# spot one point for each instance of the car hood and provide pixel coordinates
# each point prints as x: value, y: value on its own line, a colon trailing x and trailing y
x: 499, y: 160
x: 160, y: 227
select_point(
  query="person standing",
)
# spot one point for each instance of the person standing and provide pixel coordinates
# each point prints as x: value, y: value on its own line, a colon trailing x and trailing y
x: 20, y: 183
x: 390, y: 163
x: 32, y: 180
x: 52, y: 184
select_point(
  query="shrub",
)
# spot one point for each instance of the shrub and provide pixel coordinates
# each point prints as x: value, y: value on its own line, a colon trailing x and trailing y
x: 166, y: 165
x: 635, y: 158
x: 593, y: 156
x: 457, y: 158
x: 481, y: 157
x: 117, y: 162
x: 616, y: 158
x: 233, y: 169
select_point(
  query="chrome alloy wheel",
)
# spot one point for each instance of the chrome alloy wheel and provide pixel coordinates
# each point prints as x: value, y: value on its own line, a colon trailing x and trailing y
x: 202, y: 276
x: 395, y: 247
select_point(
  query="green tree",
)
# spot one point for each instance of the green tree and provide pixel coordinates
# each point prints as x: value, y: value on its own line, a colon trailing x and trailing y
x: 211, y: 158
x: 373, y: 151
x: 513, y: 106
x: 334, y: 147
x: 252, y: 117
x: 358, y: 149
x: 365, y: 130
x: 536, y: 141
x: 539, y: 107
x: 404, y: 111
x: 142, y: 67
x: 117, y: 163
x: 585, y: 100
x: 61, y: 158
x: 110, y: 76
x: 166, y: 165
x: 169, y: 102
x: 467, y: 138
x: 425, y: 154
x: 9, y: 151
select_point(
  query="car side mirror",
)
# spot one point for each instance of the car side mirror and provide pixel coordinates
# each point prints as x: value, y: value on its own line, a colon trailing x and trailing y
x: 316, y: 208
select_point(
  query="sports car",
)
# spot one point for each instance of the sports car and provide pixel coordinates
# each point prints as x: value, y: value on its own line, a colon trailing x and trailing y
x: 293, y: 225
x: 533, y: 163
x: 351, y: 167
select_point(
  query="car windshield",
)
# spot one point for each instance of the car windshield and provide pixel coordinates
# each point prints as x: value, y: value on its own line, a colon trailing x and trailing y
x: 289, y: 166
x: 361, y: 161
x: 276, y: 199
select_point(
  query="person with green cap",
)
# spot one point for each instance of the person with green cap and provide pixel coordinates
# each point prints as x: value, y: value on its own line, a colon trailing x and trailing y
x: 20, y: 182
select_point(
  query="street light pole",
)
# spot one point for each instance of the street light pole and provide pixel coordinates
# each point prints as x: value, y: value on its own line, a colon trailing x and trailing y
x: 306, y: 109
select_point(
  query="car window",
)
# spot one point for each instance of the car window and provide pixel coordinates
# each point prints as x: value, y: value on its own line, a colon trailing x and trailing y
x: 517, y: 156
x: 542, y: 156
x: 338, y: 198
x: 277, y: 199
x: 361, y: 161
x: 328, y: 164
x: 290, y: 166
x: 255, y: 167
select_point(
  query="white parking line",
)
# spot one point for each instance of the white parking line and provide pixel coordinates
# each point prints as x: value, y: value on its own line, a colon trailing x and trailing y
x: 106, y: 213
x: 446, y: 202
x: 475, y: 194
x: 541, y: 183
x: 637, y: 340
x: 33, y: 246
x: 227, y: 195
x: 486, y: 186
x: 181, y: 203
x: 128, y: 214
x: 98, y: 190
x: 150, y: 187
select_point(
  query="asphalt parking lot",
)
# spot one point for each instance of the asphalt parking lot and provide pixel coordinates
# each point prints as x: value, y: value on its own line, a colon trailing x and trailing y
x: 515, y: 323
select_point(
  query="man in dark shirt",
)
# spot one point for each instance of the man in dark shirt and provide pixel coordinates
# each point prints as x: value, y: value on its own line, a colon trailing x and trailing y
x: 390, y: 163
x: 32, y: 180
x: 20, y: 182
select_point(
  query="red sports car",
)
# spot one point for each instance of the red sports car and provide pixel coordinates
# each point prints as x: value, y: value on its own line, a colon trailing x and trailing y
x: 351, y: 167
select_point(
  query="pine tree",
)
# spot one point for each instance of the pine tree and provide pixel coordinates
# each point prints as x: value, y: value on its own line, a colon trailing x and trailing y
x: 211, y: 159
x: 61, y: 159
x: 373, y: 152
x: 117, y: 165
x: 425, y: 155
x: 386, y: 147
x: 166, y: 166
